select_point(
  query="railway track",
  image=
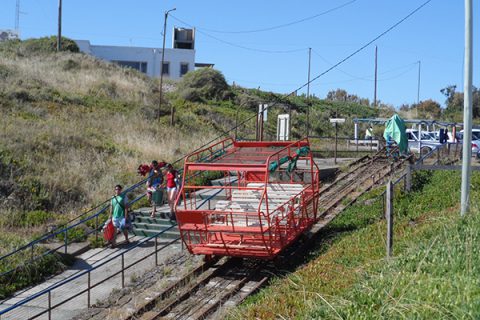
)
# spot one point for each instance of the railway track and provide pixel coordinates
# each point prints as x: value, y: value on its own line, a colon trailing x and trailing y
x: 219, y: 284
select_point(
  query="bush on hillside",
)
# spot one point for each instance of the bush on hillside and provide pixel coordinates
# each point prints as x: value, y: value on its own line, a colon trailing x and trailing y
x: 248, y: 101
x: 203, y: 84
x: 38, y: 45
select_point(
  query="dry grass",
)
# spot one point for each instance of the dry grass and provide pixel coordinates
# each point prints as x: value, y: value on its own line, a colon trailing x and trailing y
x: 81, y: 74
x: 77, y: 126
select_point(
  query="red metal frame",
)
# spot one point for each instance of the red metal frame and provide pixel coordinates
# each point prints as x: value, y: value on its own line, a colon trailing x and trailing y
x: 252, y: 212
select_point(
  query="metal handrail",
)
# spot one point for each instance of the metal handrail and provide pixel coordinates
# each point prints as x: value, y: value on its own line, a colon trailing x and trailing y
x: 436, y: 149
x: 62, y: 283
x: 55, y: 232
x: 65, y: 230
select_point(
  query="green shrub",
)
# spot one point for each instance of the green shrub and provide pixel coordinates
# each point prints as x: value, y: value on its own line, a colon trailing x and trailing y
x: 77, y: 234
x: 35, y: 46
x: 70, y: 64
x: 49, y: 44
x: 36, y: 218
x: 202, y: 84
x: 31, y: 273
x: 34, y: 195
x: 248, y: 101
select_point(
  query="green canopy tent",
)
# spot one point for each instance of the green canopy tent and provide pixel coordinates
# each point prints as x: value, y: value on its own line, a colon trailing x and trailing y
x: 395, y: 129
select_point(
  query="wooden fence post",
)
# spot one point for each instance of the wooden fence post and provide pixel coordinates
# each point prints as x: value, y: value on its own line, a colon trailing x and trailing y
x: 389, y: 217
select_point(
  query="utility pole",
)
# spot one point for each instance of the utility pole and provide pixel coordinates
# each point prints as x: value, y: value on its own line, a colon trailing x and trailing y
x: 467, y: 111
x: 172, y: 111
x: 308, y: 91
x: 59, y: 35
x: 309, y: 60
x: 375, y: 86
x: 418, y: 86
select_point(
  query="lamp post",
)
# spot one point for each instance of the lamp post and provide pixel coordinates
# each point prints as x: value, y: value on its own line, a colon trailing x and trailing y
x: 161, y: 66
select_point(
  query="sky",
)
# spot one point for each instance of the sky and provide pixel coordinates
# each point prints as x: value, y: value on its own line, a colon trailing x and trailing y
x: 266, y: 43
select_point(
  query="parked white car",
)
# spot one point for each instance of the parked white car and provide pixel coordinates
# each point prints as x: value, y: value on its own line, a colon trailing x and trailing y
x: 475, y: 140
x: 423, y: 144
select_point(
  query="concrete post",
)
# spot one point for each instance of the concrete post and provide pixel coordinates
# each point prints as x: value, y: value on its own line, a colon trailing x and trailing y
x: 408, y: 178
x: 389, y: 217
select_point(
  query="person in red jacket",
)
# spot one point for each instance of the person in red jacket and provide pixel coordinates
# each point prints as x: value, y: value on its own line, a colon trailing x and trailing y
x: 172, y: 185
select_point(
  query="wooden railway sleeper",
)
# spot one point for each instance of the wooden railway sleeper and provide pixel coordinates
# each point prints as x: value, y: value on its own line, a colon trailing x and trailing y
x: 202, y: 280
x: 210, y: 308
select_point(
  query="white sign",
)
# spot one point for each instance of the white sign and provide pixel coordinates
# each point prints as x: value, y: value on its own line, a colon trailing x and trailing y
x: 337, y: 120
x: 283, y: 127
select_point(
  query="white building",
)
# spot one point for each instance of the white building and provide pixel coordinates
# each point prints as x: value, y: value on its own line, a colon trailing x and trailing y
x: 8, y: 35
x: 177, y: 61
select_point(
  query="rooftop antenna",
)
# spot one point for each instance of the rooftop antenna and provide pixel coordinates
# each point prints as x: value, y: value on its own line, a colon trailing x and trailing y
x: 17, y: 16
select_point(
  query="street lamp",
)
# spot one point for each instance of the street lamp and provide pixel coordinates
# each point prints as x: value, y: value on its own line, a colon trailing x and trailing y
x: 161, y: 66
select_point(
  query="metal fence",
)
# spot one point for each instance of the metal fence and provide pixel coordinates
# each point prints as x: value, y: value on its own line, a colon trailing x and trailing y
x: 76, y: 223
x: 343, y: 146
x: 59, y: 299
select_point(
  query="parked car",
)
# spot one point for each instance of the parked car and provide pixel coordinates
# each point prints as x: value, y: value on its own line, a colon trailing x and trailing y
x: 475, y: 140
x: 422, y: 144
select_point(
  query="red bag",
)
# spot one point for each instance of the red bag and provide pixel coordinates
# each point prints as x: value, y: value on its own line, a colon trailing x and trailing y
x: 109, y: 231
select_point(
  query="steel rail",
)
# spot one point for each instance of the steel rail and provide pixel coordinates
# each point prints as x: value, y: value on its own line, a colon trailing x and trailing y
x: 201, y: 309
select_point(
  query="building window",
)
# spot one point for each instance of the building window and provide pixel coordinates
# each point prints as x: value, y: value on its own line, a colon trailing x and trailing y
x: 137, y: 65
x: 183, y: 68
x: 166, y: 68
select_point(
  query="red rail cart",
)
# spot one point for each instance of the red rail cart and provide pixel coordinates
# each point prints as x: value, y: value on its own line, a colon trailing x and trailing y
x: 247, y: 199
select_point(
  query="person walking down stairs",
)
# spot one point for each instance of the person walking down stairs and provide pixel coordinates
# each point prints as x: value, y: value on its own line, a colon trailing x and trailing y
x: 154, y: 187
x: 119, y: 213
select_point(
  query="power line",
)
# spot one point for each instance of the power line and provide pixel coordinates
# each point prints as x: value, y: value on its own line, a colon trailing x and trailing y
x: 323, y: 73
x: 236, y: 45
x: 371, y: 80
x: 367, y: 44
x: 366, y: 78
x: 281, y: 25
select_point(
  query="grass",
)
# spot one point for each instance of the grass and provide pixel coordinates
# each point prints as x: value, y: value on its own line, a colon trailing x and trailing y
x: 73, y: 126
x: 434, y: 273
x: 26, y: 274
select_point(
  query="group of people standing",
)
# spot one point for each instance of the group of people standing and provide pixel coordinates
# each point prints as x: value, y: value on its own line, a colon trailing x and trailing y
x: 155, y: 189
